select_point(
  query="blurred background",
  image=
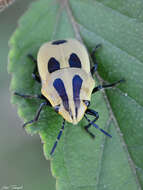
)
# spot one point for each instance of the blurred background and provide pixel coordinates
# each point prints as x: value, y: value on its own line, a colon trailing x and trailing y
x: 22, y: 163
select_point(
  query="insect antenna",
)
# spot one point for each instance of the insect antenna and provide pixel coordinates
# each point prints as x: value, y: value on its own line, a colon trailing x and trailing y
x: 58, y: 137
x: 96, y: 126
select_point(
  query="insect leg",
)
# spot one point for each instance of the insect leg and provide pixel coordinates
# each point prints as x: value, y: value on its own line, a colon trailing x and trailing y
x: 35, y: 74
x: 33, y: 96
x: 58, y: 138
x: 94, y: 113
x: 96, y: 89
x: 96, y: 126
x: 37, y: 114
x: 94, y: 68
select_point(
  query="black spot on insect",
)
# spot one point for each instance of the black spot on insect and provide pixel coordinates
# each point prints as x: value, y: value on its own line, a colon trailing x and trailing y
x: 74, y: 61
x: 53, y: 65
x: 77, y: 83
x: 60, y: 88
x: 58, y: 42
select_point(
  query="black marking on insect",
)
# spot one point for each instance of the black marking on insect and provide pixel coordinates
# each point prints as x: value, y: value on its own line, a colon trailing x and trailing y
x: 77, y: 83
x: 53, y: 65
x: 74, y: 61
x: 58, y: 42
x: 60, y: 88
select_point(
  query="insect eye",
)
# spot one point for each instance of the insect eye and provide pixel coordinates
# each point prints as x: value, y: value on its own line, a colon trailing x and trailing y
x: 87, y: 102
x: 56, y: 108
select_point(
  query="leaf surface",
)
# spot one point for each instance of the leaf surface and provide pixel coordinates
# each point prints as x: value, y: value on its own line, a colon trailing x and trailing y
x: 79, y: 162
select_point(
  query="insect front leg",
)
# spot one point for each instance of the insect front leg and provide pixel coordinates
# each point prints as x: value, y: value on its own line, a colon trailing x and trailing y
x: 37, y: 114
x: 93, y: 113
x: 35, y: 74
x: 58, y: 137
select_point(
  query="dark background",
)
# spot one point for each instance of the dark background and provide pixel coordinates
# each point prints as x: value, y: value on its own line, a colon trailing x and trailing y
x: 22, y: 162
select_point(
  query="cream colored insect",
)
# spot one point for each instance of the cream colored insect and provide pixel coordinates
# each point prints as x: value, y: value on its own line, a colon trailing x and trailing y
x: 67, y: 82
x: 72, y: 109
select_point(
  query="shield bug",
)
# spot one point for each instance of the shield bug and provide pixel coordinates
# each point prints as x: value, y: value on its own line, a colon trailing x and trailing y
x: 63, y: 69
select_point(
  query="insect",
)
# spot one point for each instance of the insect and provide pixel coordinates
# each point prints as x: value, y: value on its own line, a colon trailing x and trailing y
x: 63, y: 69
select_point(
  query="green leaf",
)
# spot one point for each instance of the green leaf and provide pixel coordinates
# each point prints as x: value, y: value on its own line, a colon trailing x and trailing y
x: 79, y: 162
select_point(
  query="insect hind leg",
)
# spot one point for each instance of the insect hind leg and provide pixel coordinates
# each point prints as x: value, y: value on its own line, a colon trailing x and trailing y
x: 94, y: 68
x: 35, y: 74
